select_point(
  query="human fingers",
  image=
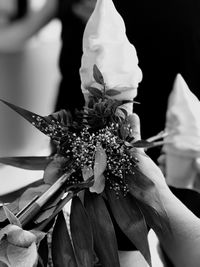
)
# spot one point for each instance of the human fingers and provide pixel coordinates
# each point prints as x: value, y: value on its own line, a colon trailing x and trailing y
x: 147, y: 166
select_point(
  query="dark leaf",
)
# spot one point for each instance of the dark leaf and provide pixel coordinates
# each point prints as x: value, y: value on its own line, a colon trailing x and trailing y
x: 105, y: 243
x: 62, y: 250
x: 145, y: 191
x: 118, y: 103
x: 44, y: 124
x: 29, y: 163
x: 124, y: 112
x: 55, y: 169
x: 43, y: 252
x: 13, y: 207
x: 98, y: 75
x: 142, y: 143
x: 131, y: 221
x: 123, y: 102
x: 81, y: 232
x: 11, y: 217
x: 28, y: 115
x: 112, y: 92
x: 63, y: 116
x: 95, y: 92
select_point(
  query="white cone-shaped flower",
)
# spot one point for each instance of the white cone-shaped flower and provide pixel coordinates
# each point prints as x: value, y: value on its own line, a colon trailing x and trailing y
x: 183, y: 119
x: 106, y: 45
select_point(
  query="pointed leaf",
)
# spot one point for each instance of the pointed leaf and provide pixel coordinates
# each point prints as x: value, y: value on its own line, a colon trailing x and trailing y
x: 81, y: 232
x: 47, y: 126
x: 142, y: 143
x: 63, y: 116
x: 55, y: 169
x: 11, y: 217
x: 43, y: 252
x: 31, y: 117
x: 112, y: 92
x: 105, y: 243
x: 131, y: 221
x: 95, y: 92
x: 145, y: 191
x: 29, y: 163
x: 62, y: 250
x: 13, y: 207
x: 98, y: 75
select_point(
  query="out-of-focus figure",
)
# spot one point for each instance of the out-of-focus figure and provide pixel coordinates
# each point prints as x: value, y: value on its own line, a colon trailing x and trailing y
x: 28, y: 77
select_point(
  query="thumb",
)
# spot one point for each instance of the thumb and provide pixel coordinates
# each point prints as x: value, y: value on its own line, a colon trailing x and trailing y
x: 134, y: 122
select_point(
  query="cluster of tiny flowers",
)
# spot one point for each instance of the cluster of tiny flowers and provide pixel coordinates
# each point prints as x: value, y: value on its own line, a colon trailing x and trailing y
x: 54, y: 129
x: 119, y: 161
x: 82, y: 148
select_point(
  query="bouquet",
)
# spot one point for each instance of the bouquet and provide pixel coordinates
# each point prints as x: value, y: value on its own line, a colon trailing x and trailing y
x: 95, y: 166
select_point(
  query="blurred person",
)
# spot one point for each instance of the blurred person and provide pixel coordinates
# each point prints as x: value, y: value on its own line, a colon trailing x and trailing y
x: 28, y: 75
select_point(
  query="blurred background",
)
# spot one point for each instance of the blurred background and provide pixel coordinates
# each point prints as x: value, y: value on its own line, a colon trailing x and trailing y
x: 28, y: 78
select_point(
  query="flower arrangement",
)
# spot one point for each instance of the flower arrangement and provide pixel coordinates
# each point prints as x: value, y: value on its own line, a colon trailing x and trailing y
x: 95, y: 154
x: 94, y: 164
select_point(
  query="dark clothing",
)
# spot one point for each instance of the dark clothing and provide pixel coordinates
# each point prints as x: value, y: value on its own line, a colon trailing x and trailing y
x: 70, y: 95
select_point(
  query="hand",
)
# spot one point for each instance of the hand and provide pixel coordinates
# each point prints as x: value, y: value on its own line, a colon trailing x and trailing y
x: 146, y: 164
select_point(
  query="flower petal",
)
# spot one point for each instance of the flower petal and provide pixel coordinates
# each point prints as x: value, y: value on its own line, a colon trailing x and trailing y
x: 99, y: 185
x: 87, y: 173
x: 22, y: 257
x: 99, y: 168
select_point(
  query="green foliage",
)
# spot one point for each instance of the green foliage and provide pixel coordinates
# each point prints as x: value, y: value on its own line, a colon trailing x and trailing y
x: 98, y: 75
x: 81, y: 233
x: 62, y: 250
x: 105, y: 243
x: 131, y: 221
x: 95, y: 151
